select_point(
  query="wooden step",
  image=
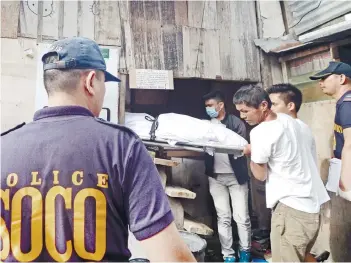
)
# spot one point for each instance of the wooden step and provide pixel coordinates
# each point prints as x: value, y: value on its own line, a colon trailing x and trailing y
x: 197, y: 228
x: 165, y: 162
x: 175, y: 191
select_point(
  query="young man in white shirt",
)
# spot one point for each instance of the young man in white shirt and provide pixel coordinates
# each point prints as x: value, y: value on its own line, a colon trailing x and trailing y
x: 281, y: 155
x: 286, y: 98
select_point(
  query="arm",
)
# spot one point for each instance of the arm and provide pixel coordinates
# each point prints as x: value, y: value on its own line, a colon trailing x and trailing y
x: 345, y: 179
x: 173, y: 247
x: 260, y: 149
x: 147, y: 209
x: 260, y: 171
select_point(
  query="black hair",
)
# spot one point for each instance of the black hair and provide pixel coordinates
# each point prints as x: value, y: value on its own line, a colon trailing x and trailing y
x: 216, y: 95
x: 251, y: 95
x: 288, y: 92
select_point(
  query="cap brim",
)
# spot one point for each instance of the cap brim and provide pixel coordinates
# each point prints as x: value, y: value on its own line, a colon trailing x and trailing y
x: 320, y: 75
x: 109, y: 77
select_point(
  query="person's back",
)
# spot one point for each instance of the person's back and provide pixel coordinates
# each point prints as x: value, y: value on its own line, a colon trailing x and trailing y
x: 71, y: 183
x: 70, y: 172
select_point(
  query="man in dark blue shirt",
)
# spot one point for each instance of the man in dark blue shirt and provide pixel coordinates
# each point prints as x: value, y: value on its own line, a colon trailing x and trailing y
x: 335, y: 81
x: 71, y: 183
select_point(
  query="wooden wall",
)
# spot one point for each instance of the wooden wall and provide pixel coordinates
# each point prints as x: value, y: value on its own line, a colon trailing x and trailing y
x: 203, y: 39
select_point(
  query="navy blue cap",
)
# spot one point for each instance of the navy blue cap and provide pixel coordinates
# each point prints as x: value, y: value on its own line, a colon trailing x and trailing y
x: 339, y: 68
x: 77, y: 53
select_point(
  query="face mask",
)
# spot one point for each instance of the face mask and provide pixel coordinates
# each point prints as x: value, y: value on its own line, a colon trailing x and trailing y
x: 211, y: 111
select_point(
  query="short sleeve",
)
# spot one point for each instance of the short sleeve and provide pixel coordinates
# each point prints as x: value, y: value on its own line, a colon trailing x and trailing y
x: 146, y: 203
x: 345, y: 114
x: 261, y: 146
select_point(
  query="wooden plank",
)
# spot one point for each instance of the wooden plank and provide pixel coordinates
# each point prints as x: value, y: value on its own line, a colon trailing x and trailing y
x: 108, y: 23
x: 179, y: 192
x: 154, y: 54
x: 128, y: 46
x: 304, y: 53
x: 225, y: 47
x: 197, y: 228
x: 177, y: 211
x: 210, y: 15
x: 61, y: 20
x: 122, y: 98
x: 168, y: 12
x: 138, y: 29
x: 87, y: 10
x: 252, y: 52
x: 202, y: 14
x: 70, y: 19
x: 285, y: 72
x: 181, y: 13
x: 165, y: 162
x: 192, y: 52
x: 170, y: 48
x: 210, y: 55
x: 183, y: 154
x: 40, y: 22
x: 51, y: 18
x: 196, y: 10
x: 240, y: 32
x: 10, y: 11
x: 28, y: 25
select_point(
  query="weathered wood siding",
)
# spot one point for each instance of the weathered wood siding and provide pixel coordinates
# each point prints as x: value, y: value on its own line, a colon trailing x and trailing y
x: 203, y: 39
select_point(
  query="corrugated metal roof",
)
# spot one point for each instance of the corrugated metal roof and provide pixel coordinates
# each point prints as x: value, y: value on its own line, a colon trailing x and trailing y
x: 327, y: 10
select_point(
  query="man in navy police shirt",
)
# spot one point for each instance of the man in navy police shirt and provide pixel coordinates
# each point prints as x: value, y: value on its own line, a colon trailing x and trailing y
x: 335, y: 81
x: 71, y: 184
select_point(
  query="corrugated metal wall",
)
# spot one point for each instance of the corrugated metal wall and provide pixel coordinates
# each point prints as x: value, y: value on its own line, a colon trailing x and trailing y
x: 323, y: 12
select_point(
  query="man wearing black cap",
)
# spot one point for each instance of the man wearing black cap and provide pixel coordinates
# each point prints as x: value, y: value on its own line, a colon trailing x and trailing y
x: 71, y: 183
x: 335, y: 81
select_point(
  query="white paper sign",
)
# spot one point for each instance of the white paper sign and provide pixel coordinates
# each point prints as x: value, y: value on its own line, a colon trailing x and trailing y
x: 110, y: 105
x: 151, y: 79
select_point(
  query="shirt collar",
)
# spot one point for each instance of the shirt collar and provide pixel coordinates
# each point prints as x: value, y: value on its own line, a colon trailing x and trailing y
x: 49, y: 112
x: 343, y: 96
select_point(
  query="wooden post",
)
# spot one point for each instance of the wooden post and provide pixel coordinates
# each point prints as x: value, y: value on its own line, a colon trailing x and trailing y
x: 122, y: 98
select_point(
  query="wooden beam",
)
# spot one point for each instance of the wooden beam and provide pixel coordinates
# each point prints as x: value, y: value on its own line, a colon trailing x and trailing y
x: 285, y: 72
x: 304, y: 53
x: 10, y: 11
x: 122, y: 98
x: 183, y: 154
x: 165, y: 162
x: 343, y: 42
x: 197, y: 228
x: 175, y: 191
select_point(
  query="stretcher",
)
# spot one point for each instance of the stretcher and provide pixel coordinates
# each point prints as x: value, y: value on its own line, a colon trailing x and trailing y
x: 208, y: 148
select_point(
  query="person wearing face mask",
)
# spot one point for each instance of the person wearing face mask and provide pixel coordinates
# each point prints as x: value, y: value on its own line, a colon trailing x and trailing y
x: 228, y: 182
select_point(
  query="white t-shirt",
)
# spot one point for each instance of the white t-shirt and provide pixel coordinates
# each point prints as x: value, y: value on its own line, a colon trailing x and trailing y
x: 293, y: 176
x: 317, y: 181
x: 221, y: 160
